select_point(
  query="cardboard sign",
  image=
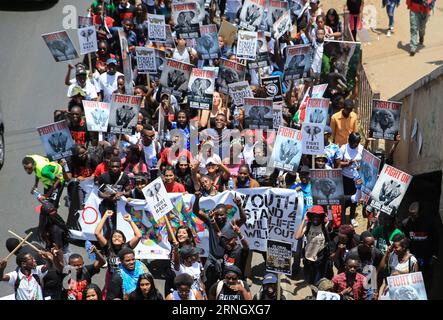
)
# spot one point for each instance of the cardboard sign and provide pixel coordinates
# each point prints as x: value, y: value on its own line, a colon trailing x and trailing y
x: 385, y: 119
x: 327, y: 186
x: 369, y: 166
x: 60, y: 46
x: 247, y: 45
x: 312, y: 138
x: 410, y: 286
x: 97, y: 115
x: 389, y: 189
x: 156, y: 28
x: 87, y: 38
x: 287, y: 150
x: 252, y: 14
x: 279, y: 257
x: 146, y: 62
x: 258, y: 113
x: 207, y: 43
x: 201, y: 89
x: 298, y: 61
x: 157, y: 198
x: 175, y: 77
x: 124, y: 114
x: 57, y: 140
x: 317, y: 111
x: 229, y: 33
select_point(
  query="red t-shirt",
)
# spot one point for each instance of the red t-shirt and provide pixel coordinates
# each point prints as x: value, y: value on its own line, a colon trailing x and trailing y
x: 176, y: 187
x: 166, y: 158
x: 417, y: 7
x: 100, y: 169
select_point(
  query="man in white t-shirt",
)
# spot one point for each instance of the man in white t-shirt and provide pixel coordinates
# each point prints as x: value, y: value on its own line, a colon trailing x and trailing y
x: 108, y: 80
x: 86, y: 84
x: 151, y: 149
x: 27, y: 278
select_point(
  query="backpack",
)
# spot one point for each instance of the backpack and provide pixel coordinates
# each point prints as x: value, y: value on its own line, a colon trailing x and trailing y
x: 18, y: 280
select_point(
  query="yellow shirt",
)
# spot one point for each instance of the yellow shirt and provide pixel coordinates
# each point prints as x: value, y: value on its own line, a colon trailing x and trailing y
x: 342, y: 127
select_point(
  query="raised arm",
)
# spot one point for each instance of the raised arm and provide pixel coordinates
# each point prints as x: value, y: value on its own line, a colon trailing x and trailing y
x: 137, y: 234
x: 98, y: 230
x: 301, y: 230
x: 100, y: 261
x: 240, y: 221
x: 196, y: 209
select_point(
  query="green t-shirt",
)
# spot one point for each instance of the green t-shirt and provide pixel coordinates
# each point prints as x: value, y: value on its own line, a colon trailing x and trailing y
x: 383, y: 239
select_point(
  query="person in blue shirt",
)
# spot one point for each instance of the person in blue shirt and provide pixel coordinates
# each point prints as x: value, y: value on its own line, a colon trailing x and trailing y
x: 304, y: 186
x: 332, y: 150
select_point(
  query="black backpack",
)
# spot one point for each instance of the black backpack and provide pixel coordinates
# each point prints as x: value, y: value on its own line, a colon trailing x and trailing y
x: 18, y: 280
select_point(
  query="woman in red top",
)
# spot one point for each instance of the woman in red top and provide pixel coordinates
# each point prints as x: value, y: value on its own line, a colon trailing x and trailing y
x: 133, y: 163
x: 169, y: 180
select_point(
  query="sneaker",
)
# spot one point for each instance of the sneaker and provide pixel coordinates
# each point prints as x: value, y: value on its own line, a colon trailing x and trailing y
x: 389, y: 33
x: 412, y: 53
x: 354, y: 223
x: 422, y: 39
x: 391, y: 29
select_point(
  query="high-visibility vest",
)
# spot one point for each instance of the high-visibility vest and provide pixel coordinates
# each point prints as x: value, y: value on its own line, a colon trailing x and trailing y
x: 41, y: 162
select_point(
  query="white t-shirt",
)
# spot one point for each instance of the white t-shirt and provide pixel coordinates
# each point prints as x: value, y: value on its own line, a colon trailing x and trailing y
x: 317, y: 56
x: 248, y: 153
x: 108, y: 84
x: 183, y: 57
x: 90, y: 89
x: 195, y: 271
x: 351, y: 154
x: 151, y: 154
x: 28, y: 288
x: 404, y: 267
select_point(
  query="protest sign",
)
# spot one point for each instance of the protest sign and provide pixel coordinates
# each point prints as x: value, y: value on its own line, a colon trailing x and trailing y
x: 298, y: 61
x: 97, y: 115
x: 385, y: 119
x: 229, y: 72
x: 170, y: 42
x: 317, y: 110
x: 57, y: 140
x: 275, y: 11
x: 318, y: 91
x: 344, y: 58
x: 287, y: 150
x: 369, y: 166
x: 277, y: 114
x: 408, y: 286
x: 157, y: 198
x: 175, y: 77
x: 272, y: 87
x: 126, y: 62
x: 327, y: 186
x: 389, y: 189
x: 87, y: 39
x: 201, y: 88
x: 160, y: 62
x: 247, y: 45
x: 238, y: 91
x: 207, y: 43
x: 186, y: 21
x: 229, y: 32
x: 279, y: 257
x: 146, y: 62
x: 298, y: 7
x: 282, y: 25
x: 326, y: 295
x: 156, y: 27
x: 124, y: 113
x: 312, y: 138
x: 262, y: 55
x: 60, y: 45
x: 84, y: 22
x: 252, y: 14
x: 258, y: 113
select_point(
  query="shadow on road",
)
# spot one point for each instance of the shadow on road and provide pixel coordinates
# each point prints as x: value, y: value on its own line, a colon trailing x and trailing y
x: 436, y: 62
x: 27, y: 5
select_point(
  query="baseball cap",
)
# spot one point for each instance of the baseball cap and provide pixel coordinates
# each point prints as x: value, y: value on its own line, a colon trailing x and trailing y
x: 328, y: 130
x: 323, y: 155
x: 80, y: 71
x: 211, y: 160
x: 270, y: 278
x: 188, y: 251
x: 313, y: 1
x: 182, y: 159
x: 78, y: 90
x: 316, y: 209
x: 111, y: 60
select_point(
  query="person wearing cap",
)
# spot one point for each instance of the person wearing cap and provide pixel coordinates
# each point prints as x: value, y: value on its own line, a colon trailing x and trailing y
x: 317, y: 251
x: 343, y: 123
x: 82, y: 85
x: 331, y: 150
x: 107, y: 81
x: 268, y: 291
x: 230, y: 287
x: 187, y: 260
x: 217, y: 172
x: 304, y: 186
x: 321, y: 161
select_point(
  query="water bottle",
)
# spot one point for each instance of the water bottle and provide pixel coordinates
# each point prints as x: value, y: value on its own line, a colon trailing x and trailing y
x: 231, y: 184
x: 88, y: 245
x: 236, y: 113
x: 64, y: 164
x: 37, y: 194
x: 356, y: 176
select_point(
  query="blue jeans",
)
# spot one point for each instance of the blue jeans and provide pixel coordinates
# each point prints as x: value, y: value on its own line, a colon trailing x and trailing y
x: 390, y: 8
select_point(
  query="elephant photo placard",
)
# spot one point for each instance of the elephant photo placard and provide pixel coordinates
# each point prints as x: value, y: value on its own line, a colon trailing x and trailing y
x: 368, y: 171
x: 124, y: 113
x: 317, y: 111
x: 186, y: 19
x: 327, y: 186
x: 207, y: 43
x: 287, y: 151
x: 157, y: 199
x: 282, y: 25
x: 258, y: 113
x: 87, y: 38
x: 57, y: 140
x: 389, y: 189
x: 229, y: 72
x: 252, y: 14
x: 312, y: 138
x: 298, y: 61
x: 60, y: 45
x: 385, y: 119
x: 201, y: 88
x: 175, y: 77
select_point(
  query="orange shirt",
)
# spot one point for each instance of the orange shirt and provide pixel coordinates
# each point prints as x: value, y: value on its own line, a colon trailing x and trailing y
x: 342, y: 127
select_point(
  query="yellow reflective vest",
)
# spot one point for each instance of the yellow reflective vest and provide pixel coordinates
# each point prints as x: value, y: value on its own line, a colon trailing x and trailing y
x: 41, y: 162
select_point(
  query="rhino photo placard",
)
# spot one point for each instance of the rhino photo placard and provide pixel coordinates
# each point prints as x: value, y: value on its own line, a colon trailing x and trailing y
x: 369, y: 166
x: 175, y: 77
x: 156, y: 28
x: 276, y: 10
x: 201, y: 89
x: 385, y: 119
x: 258, y: 113
x: 282, y: 25
x: 389, y: 189
x: 207, y: 43
x: 287, y: 150
x: 298, y: 61
x: 327, y: 186
x: 317, y: 111
x: 57, y: 140
x: 229, y: 72
x: 60, y: 45
x: 247, y: 45
x: 313, y: 138
x: 252, y: 14
x: 186, y: 20
x: 124, y: 113
x: 97, y: 115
